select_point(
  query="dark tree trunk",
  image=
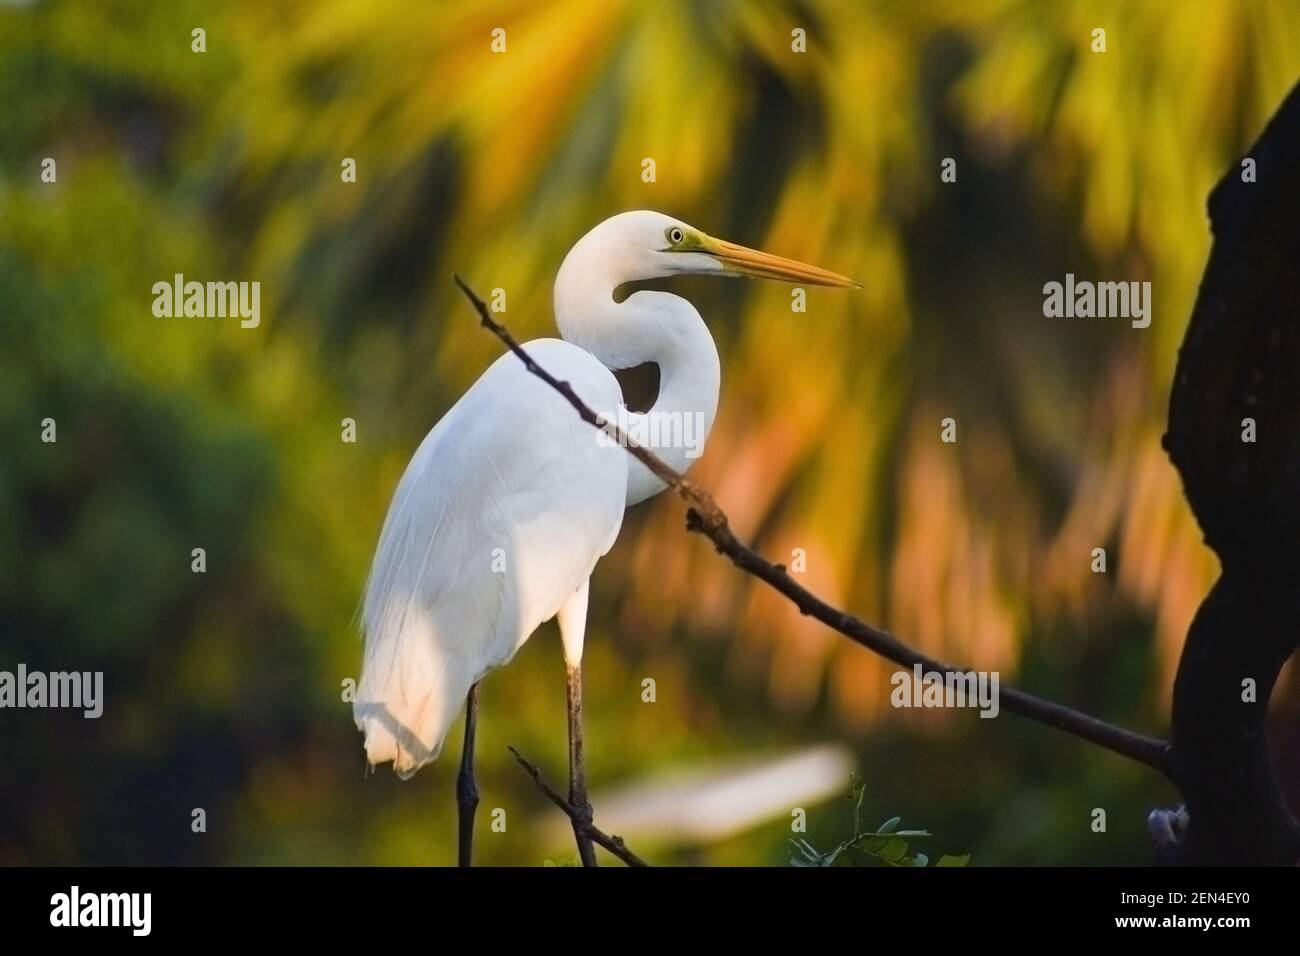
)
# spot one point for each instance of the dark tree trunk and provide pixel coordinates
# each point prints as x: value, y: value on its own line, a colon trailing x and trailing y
x: 1240, y: 360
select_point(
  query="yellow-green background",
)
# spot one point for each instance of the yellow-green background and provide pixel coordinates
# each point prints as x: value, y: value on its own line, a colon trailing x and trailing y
x: 223, y: 689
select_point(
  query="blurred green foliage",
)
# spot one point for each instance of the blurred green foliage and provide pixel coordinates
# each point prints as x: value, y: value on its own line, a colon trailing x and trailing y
x: 887, y: 845
x: 224, y: 689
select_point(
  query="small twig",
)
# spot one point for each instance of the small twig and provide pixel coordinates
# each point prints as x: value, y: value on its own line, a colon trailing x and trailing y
x: 705, y: 517
x: 614, y: 844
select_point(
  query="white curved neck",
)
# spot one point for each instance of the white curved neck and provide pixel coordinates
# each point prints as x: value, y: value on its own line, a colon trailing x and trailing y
x: 646, y: 327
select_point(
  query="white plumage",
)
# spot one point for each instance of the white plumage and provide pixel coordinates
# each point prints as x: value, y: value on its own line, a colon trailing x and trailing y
x: 511, y: 499
x: 499, y: 519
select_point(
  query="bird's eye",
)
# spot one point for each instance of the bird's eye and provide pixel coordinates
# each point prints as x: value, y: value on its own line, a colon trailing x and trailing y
x: 675, y: 235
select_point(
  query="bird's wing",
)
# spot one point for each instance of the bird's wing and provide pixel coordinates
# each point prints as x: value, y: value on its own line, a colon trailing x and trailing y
x: 500, y: 516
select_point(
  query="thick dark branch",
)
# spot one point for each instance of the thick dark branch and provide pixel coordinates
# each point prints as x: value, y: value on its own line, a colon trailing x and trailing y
x: 614, y: 844
x: 704, y: 516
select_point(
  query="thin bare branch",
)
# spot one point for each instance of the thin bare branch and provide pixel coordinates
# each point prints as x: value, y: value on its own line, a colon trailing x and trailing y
x: 705, y: 517
x: 614, y: 844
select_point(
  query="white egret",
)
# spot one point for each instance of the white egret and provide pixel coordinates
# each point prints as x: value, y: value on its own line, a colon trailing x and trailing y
x: 511, y: 498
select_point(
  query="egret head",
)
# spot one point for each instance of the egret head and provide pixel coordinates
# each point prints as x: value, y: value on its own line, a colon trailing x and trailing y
x: 642, y: 327
x: 640, y: 245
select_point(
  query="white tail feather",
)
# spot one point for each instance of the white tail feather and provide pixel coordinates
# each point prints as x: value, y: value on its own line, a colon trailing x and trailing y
x: 410, y: 693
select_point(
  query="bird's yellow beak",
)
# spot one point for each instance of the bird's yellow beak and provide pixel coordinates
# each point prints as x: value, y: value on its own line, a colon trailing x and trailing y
x: 763, y: 265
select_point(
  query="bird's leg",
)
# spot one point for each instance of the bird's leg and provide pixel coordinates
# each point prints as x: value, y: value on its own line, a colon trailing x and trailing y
x: 573, y: 630
x: 577, y: 766
x: 466, y: 788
